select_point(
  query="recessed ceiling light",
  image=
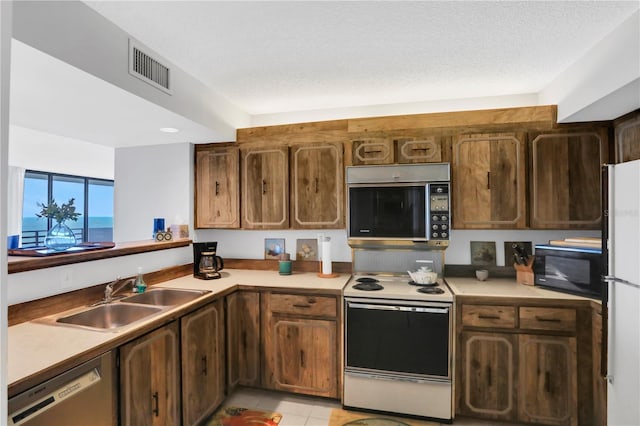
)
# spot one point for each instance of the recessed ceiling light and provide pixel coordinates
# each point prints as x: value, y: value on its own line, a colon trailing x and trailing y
x: 169, y: 130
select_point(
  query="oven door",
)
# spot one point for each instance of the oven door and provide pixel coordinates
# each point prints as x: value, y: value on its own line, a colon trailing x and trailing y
x: 399, y: 339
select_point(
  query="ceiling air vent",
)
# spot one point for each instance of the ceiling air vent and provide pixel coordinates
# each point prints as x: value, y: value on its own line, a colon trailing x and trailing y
x: 147, y: 69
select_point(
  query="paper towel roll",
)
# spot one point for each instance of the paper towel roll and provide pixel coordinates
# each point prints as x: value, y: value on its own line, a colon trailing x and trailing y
x: 326, y: 256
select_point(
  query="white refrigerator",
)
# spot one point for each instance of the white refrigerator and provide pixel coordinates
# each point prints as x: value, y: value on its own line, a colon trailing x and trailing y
x: 623, y: 304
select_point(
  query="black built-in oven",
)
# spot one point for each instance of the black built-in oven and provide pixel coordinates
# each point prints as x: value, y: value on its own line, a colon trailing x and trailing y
x: 401, y: 339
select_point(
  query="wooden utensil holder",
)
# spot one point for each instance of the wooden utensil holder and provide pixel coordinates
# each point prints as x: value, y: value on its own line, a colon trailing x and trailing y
x: 524, y: 273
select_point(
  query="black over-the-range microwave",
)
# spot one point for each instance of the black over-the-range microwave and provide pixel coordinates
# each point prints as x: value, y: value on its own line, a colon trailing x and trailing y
x: 574, y: 270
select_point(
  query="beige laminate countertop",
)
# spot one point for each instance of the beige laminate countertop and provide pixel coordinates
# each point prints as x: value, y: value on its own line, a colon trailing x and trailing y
x: 34, y: 347
x: 505, y: 287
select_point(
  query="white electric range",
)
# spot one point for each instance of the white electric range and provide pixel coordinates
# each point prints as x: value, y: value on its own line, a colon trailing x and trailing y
x: 398, y: 346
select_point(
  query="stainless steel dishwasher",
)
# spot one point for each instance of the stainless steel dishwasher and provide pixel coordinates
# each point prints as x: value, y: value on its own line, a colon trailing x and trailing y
x: 84, y: 395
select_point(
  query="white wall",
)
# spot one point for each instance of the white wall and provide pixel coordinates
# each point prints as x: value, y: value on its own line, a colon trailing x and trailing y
x: 74, y: 33
x: 32, y: 285
x: 36, y: 150
x: 151, y: 181
x: 250, y: 244
x: 610, y: 65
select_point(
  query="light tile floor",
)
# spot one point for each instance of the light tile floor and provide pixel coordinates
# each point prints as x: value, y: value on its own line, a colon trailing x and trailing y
x: 298, y: 410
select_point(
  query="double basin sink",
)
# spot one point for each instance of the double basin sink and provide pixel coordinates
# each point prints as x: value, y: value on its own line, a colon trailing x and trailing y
x: 112, y: 316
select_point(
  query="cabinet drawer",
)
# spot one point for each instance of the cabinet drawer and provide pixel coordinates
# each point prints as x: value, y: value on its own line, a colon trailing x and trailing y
x: 547, y: 318
x: 489, y: 316
x: 325, y: 306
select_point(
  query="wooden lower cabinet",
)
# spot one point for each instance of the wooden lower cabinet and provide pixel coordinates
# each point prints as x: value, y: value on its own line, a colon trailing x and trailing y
x: 519, y: 361
x: 488, y: 379
x: 548, y: 390
x: 150, y: 379
x: 243, y: 339
x: 599, y: 382
x: 300, y: 349
x: 203, y: 372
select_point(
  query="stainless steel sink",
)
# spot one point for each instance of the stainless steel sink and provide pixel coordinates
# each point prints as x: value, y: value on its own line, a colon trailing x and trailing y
x: 109, y: 316
x: 165, y: 296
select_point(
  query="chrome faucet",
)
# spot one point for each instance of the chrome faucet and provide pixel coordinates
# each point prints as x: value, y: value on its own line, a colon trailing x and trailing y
x: 110, y: 291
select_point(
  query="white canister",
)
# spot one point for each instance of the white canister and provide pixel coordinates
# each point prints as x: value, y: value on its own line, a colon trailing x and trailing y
x: 326, y: 255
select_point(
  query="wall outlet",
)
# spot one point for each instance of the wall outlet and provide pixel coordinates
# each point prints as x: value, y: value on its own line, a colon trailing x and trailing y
x: 66, y: 278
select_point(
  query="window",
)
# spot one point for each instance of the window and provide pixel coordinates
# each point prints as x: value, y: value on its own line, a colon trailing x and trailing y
x: 93, y: 199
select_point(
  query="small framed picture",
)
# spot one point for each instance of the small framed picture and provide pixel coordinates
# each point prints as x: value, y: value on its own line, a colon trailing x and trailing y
x: 509, y: 252
x: 273, y: 248
x: 307, y: 249
x: 483, y: 253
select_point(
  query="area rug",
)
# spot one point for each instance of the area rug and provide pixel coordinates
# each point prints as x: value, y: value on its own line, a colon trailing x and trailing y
x: 237, y: 416
x: 341, y: 417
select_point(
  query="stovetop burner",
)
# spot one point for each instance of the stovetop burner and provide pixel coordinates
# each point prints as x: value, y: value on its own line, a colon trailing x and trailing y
x: 368, y: 286
x: 431, y: 290
x: 367, y: 280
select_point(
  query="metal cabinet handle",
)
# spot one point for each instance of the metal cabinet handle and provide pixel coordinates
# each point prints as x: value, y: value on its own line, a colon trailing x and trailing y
x: 488, y: 316
x: 302, y: 358
x: 217, y: 188
x: 204, y: 365
x: 542, y: 319
x: 488, y: 180
x: 373, y: 151
x: 547, y: 382
x: 316, y: 181
x: 264, y: 186
x: 489, y: 380
x: 156, y: 410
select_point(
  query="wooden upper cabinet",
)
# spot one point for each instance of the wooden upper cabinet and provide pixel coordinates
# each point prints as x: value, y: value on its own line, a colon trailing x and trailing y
x: 372, y: 151
x: 217, y: 201
x: 418, y: 150
x: 628, y: 138
x: 565, y: 179
x: 265, y: 187
x: 317, y: 186
x: 489, y: 181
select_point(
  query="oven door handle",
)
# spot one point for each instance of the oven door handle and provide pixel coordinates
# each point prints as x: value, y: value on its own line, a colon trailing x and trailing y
x: 398, y: 308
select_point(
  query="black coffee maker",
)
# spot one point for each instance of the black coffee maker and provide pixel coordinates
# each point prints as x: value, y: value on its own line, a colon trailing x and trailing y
x: 206, y: 265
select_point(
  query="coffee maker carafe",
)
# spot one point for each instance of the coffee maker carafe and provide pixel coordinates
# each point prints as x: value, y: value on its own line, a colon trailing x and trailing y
x: 206, y: 265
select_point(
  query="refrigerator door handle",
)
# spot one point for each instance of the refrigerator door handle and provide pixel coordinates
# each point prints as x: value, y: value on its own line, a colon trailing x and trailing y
x: 612, y: 280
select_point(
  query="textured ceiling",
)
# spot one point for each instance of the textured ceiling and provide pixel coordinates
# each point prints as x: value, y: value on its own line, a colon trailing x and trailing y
x: 270, y: 57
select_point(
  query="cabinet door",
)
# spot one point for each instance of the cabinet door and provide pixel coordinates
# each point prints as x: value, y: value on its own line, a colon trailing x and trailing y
x: 367, y: 151
x: 422, y: 150
x: 487, y: 379
x: 149, y: 379
x: 217, y: 188
x: 317, y: 186
x: 565, y: 179
x: 243, y: 338
x: 202, y: 362
x: 489, y: 181
x: 628, y: 139
x: 265, y: 188
x: 548, y: 384
x: 300, y: 356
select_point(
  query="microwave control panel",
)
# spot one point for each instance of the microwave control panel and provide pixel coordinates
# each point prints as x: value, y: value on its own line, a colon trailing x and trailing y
x: 439, y: 219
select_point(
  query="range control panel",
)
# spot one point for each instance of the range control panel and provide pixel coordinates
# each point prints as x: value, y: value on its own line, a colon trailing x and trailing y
x: 439, y: 220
